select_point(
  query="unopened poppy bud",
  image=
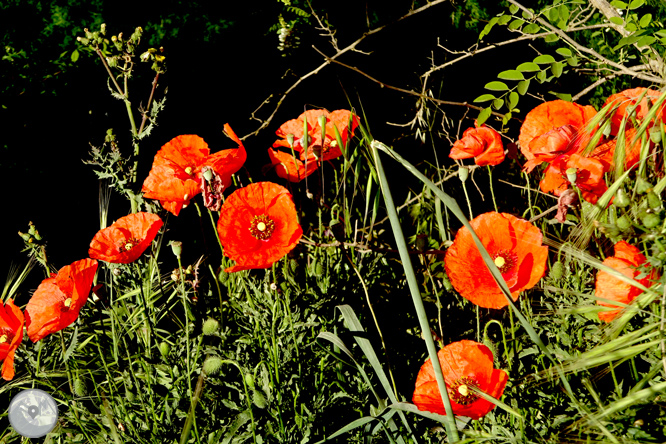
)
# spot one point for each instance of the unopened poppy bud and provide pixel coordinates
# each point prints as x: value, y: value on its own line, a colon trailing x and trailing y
x: 653, y: 200
x: 223, y: 276
x: 463, y: 173
x: 249, y: 380
x: 571, y: 175
x: 557, y: 271
x: 165, y: 349
x: 212, y: 365
x: 650, y: 220
x: 290, y: 140
x: 655, y: 134
x: 80, y: 388
x: 24, y: 236
x: 623, y: 222
x: 210, y: 326
x: 322, y: 125
x: 176, y: 247
x: 642, y: 185
x: 622, y: 200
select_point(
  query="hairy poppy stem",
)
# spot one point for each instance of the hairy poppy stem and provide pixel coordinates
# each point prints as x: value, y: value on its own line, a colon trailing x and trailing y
x: 490, y: 183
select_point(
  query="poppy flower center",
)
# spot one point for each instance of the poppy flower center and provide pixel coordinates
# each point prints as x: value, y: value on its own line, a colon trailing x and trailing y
x: 188, y: 170
x: 461, y: 393
x: 505, y: 260
x: 262, y: 227
x: 128, y: 245
x: 68, y: 302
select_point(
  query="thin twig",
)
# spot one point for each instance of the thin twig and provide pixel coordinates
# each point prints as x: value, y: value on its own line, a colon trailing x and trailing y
x: 150, y: 101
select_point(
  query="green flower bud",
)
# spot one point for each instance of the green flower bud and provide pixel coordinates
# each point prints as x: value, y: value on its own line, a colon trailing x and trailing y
x: 212, y: 365
x: 655, y: 134
x: 223, y: 276
x: 623, y: 222
x: 622, y: 199
x: 249, y: 380
x: 258, y: 399
x: 557, y: 271
x: 319, y: 269
x: 129, y: 395
x: 653, y: 200
x: 80, y: 388
x: 210, y: 326
x: 643, y: 186
x: 165, y: 349
x: 650, y: 220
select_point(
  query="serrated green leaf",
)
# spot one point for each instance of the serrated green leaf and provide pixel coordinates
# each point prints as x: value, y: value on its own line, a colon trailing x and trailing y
x: 550, y: 38
x: 515, y: 24
x: 532, y: 28
x: 504, y: 19
x: 646, y: 40
x: 528, y: 67
x: 646, y: 20
x: 513, y: 8
x: 565, y: 52
x: 636, y: 4
x: 544, y: 59
x: 511, y: 74
x: 498, y: 103
x: 496, y: 86
x: 484, y: 98
x: 72, y: 345
x: 523, y: 86
x: 513, y: 100
x: 483, y: 115
x: 557, y: 68
x: 616, y: 21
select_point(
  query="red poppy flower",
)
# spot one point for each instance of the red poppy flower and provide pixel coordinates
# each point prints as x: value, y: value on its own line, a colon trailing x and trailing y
x: 57, y: 301
x: 175, y: 176
x: 589, y: 176
x: 567, y: 121
x: 290, y: 168
x: 316, y: 148
x: 465, y: 365
x: 484, y: 144
x: 11, y: 335
x: 632, y: 150
x: 258, y: 225
x: 626, y: 260
x: 515, y: 246
x: 629, y: 97
x: 125, y: 240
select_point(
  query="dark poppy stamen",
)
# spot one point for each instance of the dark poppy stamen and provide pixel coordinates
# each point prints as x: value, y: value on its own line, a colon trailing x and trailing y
x: 6, y: 335
x: 262, y: 227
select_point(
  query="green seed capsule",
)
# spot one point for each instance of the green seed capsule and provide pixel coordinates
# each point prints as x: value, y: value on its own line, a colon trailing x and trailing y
x: 643, y: 186
x: 223, y: 276
x: 650, y: 220
x: 80, y: 388
x: 165, y: 348
x: 249, y: 380
x: 653, y: 200
x: 623, y: 222
x: 622, y: 199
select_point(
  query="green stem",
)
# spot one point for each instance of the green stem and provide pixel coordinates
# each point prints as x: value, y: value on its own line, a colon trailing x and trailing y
x: 184, y: 436
x: 469, y: 204
x: 451, y: 430
x: 492, y: 190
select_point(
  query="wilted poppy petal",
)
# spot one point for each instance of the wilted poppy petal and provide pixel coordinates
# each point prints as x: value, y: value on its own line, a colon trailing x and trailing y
x: 258, y: 225
x: 465, y: 365
x: 125, y: 240
x: 58, y: 300
x: 515, y: 246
